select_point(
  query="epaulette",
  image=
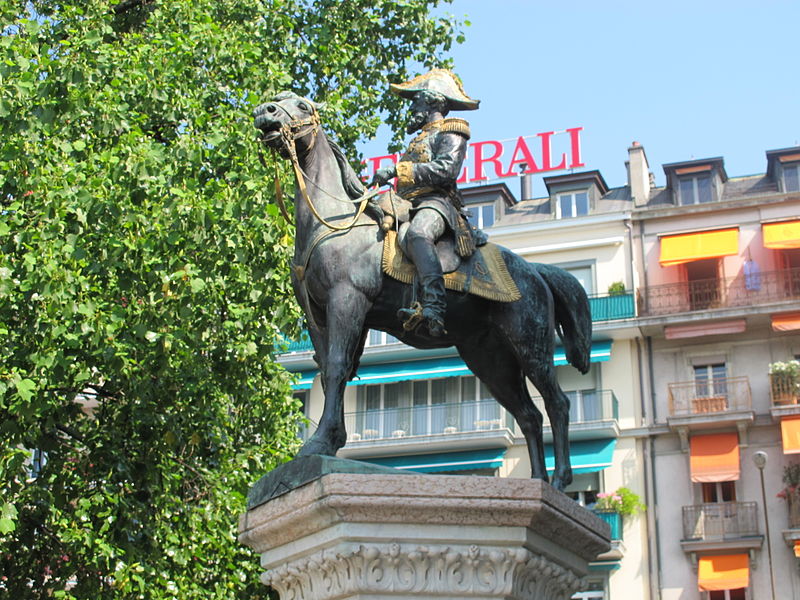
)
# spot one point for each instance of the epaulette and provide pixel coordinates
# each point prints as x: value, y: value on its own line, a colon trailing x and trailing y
x: 455, y: 125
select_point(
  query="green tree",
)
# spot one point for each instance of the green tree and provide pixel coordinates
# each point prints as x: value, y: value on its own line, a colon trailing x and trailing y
x: 143, y: 273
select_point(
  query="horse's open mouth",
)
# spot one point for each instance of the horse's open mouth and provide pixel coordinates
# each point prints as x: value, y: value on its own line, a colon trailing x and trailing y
x: 270, y: 136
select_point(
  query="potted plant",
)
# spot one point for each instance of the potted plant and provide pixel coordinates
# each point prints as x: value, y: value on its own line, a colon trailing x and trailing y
x: 624, y: 502
x: 784, y: 381
x: 791, y: 492
x: 616, y: 289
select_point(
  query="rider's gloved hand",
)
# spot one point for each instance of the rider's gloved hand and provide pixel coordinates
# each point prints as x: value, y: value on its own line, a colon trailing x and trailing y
x: 383, y: 175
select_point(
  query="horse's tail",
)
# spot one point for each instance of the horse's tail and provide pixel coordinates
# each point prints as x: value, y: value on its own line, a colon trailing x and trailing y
x: 572, y: 314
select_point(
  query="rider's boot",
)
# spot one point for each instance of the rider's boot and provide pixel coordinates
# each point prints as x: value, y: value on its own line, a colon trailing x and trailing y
x: 429, y: 271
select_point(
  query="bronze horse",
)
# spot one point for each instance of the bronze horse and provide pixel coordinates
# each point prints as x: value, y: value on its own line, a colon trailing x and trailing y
x: 339, y: 283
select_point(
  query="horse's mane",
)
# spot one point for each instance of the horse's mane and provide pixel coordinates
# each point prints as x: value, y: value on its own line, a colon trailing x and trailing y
x: 350, y: 180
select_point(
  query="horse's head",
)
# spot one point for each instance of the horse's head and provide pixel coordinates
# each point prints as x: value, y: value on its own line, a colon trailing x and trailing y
x: 287, y: 119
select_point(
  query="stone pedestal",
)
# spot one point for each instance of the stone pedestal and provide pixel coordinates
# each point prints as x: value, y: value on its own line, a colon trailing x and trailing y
x: 387, y: 534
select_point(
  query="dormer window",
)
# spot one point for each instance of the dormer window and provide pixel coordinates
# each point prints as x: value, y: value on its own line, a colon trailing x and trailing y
x: 791, y: 178
x: 576, y: 194
x: 783, y: 167
x: 572, y: 204
x: 697, y: 181
x: 480, y: 215
x: 696, y: 189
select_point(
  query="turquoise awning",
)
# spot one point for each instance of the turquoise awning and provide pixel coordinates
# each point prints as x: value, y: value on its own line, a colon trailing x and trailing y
x: 600, y: 352
x: 446, y: 461
x: 586, y: 456
x: 305, y: 380
x: 435, y: 368
x: 408, y: 371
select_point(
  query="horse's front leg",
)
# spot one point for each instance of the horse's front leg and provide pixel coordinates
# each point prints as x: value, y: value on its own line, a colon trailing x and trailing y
x: 345, y: 314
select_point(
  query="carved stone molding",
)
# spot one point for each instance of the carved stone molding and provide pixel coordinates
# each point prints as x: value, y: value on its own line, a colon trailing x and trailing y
x: 393, y: 569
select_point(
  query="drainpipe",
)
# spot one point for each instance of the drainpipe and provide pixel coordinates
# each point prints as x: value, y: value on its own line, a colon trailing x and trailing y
x: 653, y: 523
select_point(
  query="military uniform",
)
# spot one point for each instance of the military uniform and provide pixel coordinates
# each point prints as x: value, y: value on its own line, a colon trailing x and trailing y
x: 427, y: 173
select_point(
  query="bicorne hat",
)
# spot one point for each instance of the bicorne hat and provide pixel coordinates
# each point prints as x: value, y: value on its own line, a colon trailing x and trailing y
x: 437, y: 80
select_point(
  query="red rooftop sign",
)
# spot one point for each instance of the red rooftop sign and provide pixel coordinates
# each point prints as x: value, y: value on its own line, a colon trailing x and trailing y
x: 493, y: 159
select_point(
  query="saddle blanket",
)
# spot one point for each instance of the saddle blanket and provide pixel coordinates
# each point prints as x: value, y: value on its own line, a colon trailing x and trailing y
x: 483, y: 274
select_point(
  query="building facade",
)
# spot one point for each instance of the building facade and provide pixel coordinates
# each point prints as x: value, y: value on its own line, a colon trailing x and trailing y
x: 694, y: 291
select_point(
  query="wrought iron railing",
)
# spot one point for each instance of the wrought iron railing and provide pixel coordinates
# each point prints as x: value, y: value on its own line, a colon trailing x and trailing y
x: 612, y: 307
x: 587, y: 406
x: 783, y: 389
x: 703, y: 294
x: 720, y: 521
x: 705, y: 396
x: 426, y: 420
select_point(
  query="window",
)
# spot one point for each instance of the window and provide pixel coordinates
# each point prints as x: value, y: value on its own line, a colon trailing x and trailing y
x: 719, y: 491
x: 703, y: 278
x: 710, y: 380
x: 695, y: 190
x: 427, y: 407
x: 728, y: 595
x: 380, y: 338
x: 584, y: 276
x: 791, y: 178
x: 573, y: 204
x: 480, y: 215
x: 586, y: 499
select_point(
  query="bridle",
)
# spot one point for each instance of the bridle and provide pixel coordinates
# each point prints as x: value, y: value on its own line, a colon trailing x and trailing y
x: 289, y: 133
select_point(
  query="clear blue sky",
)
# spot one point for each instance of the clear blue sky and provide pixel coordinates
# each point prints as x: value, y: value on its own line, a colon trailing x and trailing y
x: 686, y: 79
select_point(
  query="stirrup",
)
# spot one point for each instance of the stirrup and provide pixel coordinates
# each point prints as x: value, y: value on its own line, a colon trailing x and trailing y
x: 411, y: 317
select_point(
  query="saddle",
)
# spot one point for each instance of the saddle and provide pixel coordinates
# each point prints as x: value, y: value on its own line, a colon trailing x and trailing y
x: 483, y: 273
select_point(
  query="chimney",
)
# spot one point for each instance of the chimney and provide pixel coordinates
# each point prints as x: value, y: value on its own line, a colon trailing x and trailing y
x: 525, y: 183
x: 638, y: 174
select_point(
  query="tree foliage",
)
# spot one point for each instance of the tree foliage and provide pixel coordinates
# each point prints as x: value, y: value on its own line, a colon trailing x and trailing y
x: 143, y: 273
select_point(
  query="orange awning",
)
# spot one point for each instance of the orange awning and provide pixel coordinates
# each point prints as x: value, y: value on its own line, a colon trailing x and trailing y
x: 786, y: 322
x: 781, y: 236
x: 714, y: 457
x: 797, y: 549
x: 790, y: 433
x: 679, y: 249
x: 723, y: 572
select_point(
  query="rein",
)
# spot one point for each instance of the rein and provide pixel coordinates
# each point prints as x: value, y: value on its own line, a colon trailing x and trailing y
x: 289, y: 133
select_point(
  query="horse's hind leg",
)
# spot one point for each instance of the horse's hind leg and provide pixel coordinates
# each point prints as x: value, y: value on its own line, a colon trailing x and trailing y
x: 496, y: 366
x: 543, y: 376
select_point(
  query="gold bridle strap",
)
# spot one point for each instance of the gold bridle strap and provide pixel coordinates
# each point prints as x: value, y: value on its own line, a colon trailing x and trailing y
x: 290, y: 132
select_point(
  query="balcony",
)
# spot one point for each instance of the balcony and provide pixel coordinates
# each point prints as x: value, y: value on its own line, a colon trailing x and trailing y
x: 721, y: 525
x: 612, y: 307
x: 592, y: 414
x: 443, y: 426
x: 710, y: 404
x: 610, y: 560
x: 785, y: 394
x: 731, y: 292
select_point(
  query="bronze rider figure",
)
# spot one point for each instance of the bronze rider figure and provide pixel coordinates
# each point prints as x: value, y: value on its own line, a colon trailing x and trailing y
x: 426, y: 176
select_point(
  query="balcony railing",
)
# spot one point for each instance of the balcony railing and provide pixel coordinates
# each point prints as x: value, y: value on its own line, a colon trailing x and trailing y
x: 614, y: 520
x: 709, y: 396
x: 428, y: 420
x: 783, y: 389
x: 587, y: 406
x: 612, y: 307
x: 730, y: 292
x: 720, y: 521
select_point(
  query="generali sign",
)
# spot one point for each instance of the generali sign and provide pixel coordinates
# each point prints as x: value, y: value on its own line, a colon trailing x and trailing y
x: 494, y: 159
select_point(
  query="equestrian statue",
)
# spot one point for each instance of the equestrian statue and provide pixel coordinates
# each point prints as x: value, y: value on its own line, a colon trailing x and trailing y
x: 408, y: 263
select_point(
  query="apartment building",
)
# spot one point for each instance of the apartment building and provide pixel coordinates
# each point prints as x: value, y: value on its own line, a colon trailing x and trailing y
x: 694, y: 291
